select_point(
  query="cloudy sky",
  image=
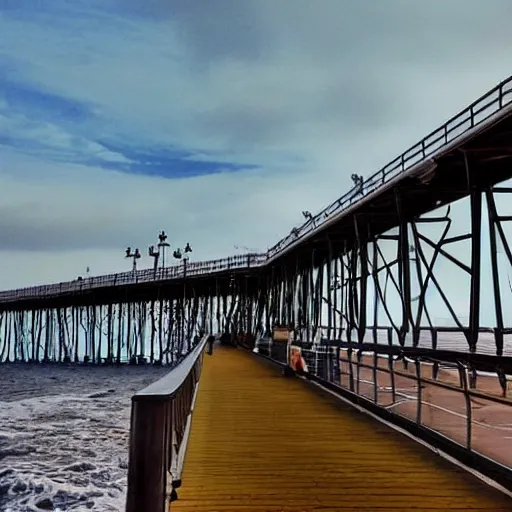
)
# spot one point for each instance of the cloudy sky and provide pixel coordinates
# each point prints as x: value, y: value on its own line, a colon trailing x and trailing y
x: 216, y: 120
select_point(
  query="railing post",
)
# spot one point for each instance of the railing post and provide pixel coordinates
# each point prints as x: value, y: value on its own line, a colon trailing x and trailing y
x: 147, y: 467
x: 418, y: 377
x: 467, y: 398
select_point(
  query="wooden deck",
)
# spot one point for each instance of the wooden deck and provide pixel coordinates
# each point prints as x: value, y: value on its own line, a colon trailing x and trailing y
x: 265, y: 443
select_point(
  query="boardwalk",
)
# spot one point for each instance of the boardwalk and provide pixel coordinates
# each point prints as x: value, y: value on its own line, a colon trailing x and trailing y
x: 260, y: 442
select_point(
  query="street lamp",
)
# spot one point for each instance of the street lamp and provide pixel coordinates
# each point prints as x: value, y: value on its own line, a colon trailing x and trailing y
x: 182, y: 253
x: 135, y: 255
x: 358, y: 181
x: 154, y: 254
x: 162, y: 245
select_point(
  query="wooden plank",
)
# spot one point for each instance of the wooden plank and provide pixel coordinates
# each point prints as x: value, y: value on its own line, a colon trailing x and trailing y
x: 260, y: 442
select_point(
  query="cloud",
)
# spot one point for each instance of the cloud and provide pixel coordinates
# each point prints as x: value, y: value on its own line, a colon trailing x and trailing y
x: 219, y: 121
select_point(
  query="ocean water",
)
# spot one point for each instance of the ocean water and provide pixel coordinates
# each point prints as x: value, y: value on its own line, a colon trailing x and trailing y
x: 64, y: 434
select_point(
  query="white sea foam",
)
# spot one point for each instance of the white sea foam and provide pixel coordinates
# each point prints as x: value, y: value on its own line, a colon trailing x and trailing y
x: 64, y: 436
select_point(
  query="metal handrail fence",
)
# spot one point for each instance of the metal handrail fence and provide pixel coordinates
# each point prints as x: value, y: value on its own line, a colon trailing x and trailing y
x: 324, y: 365
x: 193, y: 269
x: 160, y: 426
x: 481, y: 110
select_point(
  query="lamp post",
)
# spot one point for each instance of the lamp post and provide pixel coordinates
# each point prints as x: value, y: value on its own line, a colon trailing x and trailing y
x: 155, y: 255
x: 182, y: 253
x: 179, y: 254
x: 307, y: 215
x: 358, y: 182
x: 135, y: 255
x: 162, y: 245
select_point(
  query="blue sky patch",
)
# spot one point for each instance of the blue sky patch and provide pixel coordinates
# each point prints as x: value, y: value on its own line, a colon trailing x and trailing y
x: 44, y: 124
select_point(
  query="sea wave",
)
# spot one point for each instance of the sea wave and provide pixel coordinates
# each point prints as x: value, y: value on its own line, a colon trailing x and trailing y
x: 64, y: 441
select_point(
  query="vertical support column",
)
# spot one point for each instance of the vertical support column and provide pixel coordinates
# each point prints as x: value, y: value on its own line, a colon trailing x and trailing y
x: 72, y: 340
x: 92, y: 328
x: 119, y: 331
x: 363, y: 279
x: 61, y: 334
x: 217, y: 309
x: 268, y: 301
x: 277, y: 293
x: 39, y: 314
x: 210, y: 311
x: 492, y: 213
x: 476, y: 241
x: 335, y: 300
x: 100, y: 334
x: 329, y: 290
x: 129, y: 331
x: 152, y: 314
x: 3, y: 338
x: 32, y: 335
x: 110, y: 335
x: 47, y: 334
x: 250, y: 308
x: 316, y: 299
x: 311, y: 297
x: 375, y: 265
x: 160, y: 329
x: 296, y: 287
x: 404, y: 270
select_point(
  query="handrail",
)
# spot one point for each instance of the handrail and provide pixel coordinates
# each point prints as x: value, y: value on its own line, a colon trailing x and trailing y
x: 339, y: 371
x: 489, y: 108
x: 483, y: 109
x: 160, y: 423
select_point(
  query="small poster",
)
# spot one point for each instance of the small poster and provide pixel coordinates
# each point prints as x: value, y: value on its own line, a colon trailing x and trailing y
x: 296, y: 360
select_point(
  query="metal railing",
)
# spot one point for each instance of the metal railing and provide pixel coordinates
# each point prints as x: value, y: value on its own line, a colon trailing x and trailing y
x: 488, y: 108
x: 140, y: 276
x: 483, y: 109
x: 376, y: 381
x: 160, y: 425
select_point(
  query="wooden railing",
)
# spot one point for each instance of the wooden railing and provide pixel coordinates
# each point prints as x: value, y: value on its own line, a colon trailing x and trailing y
x: 160, y: 424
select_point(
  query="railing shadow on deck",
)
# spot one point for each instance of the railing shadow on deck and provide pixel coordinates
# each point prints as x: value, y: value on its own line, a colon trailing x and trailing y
x: 160, y: 424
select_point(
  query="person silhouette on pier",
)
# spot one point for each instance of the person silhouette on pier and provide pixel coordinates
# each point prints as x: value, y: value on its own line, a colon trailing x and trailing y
x: 210, y: 341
